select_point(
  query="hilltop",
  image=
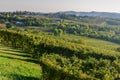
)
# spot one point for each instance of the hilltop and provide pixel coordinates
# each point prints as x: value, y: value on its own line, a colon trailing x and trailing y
x: 94, y: 14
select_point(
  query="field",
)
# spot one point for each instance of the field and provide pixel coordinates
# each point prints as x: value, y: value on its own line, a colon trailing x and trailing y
x: 91, y: 42
x: 101, y: 44
x: 15, y: 65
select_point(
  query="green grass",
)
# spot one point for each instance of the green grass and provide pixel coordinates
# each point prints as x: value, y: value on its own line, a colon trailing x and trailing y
x: 101, y: 44
x: 15, y: 65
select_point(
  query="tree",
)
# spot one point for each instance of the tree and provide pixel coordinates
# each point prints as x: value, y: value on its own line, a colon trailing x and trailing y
x: 9, y: 25
x: 2, y: 21
x: 58, y: 32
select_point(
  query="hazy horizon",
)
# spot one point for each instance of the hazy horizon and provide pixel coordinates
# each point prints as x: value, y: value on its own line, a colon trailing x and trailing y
x: 60, y: 5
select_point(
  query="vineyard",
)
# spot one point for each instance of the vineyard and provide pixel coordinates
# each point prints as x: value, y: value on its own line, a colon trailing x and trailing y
x: 65, y: 60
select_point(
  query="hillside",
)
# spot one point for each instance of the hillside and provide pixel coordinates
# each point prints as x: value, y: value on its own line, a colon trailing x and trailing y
x: 67, y: 47
x: 94, y: 27
x: 91, y: 42
x: 66, y: 57
x: 16, y: 65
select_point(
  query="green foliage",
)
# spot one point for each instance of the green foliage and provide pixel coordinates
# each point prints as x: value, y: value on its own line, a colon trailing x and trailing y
x: 64, y: 58
x: 69, y: 61
x: 94, y: 27
x: 22, y: 19
x: 2, y: 21
x: 9, y: 25
x: 57, y: 67
x: 118, y: 49
x: 58, y: 32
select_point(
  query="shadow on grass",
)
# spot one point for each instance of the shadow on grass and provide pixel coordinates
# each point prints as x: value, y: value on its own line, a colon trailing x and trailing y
x: 22, y: 77
x: 11, y: 50
x: 16, y: 54
x: 27, y: 60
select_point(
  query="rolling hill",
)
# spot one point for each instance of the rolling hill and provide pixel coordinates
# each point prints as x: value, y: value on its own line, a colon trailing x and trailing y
x: 94, y: 14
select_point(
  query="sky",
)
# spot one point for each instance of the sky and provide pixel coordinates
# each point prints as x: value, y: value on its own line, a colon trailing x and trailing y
x: 60, y: 5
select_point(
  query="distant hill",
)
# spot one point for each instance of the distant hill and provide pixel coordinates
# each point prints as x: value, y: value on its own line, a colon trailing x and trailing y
x: 56, y: 14
x: 94, y: 14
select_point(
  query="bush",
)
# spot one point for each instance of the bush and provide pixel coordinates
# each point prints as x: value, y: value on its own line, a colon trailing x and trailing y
x: 118, y: 49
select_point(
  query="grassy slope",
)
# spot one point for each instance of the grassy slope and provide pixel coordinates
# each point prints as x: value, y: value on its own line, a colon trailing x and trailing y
x: 15, y: 65
x: 92, y: 42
